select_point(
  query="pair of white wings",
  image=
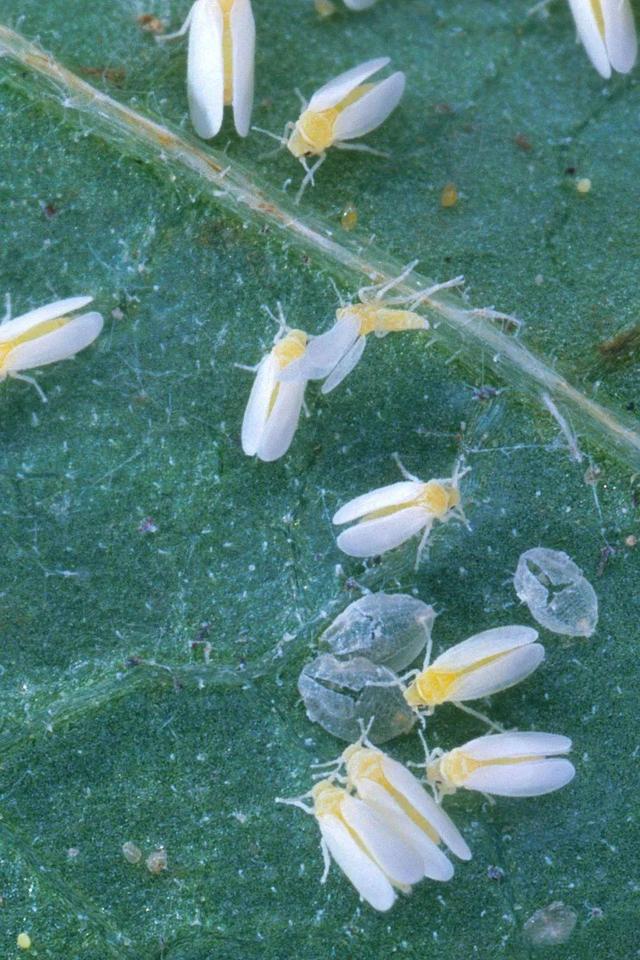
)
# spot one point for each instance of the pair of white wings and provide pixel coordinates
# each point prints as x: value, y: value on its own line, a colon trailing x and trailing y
x: 58, y: 344
x: 371, y: 537
x: 541, y: 772
x: 331, y: 355
x: 393, y: 851
x: 267, y: 431
x: 205, y: 66
x: 370, y: 110
x: 511, y: 652
x: 618, y: 47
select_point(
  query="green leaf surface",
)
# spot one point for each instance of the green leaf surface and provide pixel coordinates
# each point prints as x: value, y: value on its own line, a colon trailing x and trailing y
x: 136, y: 532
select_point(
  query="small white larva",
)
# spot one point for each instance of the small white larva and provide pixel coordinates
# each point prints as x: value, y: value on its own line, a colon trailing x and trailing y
x: 334, y: 354
x: 46, y: 335
x: 400, y: 799
x: 608, y: 34
x: 504, y: 764
x: 273, y: 409
x: 391, y: 515
x: 373, y: 856
x: 220, y: 63
x: 342, y: 110
x: 485, y: 664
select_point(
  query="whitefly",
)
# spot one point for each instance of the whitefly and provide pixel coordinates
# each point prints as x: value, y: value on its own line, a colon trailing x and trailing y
x: 344, y: 695
x: 390, y: 630
x: 556, y: 592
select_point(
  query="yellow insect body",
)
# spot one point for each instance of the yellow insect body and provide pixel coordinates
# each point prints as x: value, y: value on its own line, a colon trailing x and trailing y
x: 510, y: 764
x: 342, y: 110
x: 273, y: 409
x: 478, y: 667
x: 45, y: 335
x: 315, y: 130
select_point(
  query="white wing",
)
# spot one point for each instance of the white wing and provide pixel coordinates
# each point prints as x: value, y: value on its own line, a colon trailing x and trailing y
x: 516, y: 744
x: 364, y: 874
x: 528, y: 779
x: 323, y: 352
x: 341, y: 86
x: 498, y: 675
x: 489, y: 643
x: 358, y: 4
x: 282, y: 422
x: 404, y: 782
x: 344, y: 367
x: 394, y: 494
x: 257, y: 411
x: 435, y: 864
x: 592, y: 39
x: 394, y: 856
x: 205, y: 68
x: 371, y: 537
x: 11, y: 329
x: 620, y: 34
x: 60, y: 344
x: 243, y: 39
x: 370, y: 110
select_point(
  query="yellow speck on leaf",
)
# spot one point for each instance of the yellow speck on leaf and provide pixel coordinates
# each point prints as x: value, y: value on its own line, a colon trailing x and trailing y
x: 349, y: 217
x: 449, y: 195
x: 23, y: 941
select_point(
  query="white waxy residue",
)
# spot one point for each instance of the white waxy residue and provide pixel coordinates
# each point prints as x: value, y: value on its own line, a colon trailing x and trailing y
x: 557, y: 594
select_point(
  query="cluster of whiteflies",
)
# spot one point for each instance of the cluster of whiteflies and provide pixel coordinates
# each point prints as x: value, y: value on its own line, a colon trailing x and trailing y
x: 220, y: 72
x: 377, y: 820
x: 385, y: 831
x: 273, y: 411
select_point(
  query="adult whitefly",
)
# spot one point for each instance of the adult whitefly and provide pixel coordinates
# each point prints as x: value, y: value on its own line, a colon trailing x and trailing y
x: 273, y: 409
x: 45, y: 335
x: 514, y: 764
x: 220, y: 63
x: 344, y: 695
x: 391, y: 787
x: 484, y: 664
x: 371, y: 854
x: 390, y: 629
x: 344, y: 109
x: 555, y: 590
x: 608, y: 33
